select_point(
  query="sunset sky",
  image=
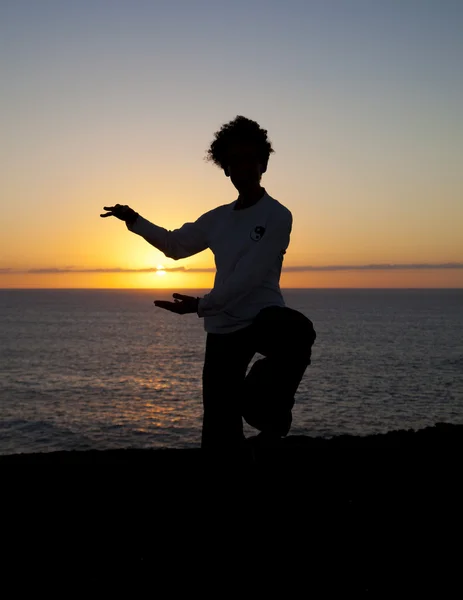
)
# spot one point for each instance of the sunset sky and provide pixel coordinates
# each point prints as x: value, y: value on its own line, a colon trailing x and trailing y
x: 107, y: 102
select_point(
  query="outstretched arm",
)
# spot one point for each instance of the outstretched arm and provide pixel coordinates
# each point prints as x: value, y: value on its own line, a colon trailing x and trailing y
x: 250, y: 270
x: 189, y: 239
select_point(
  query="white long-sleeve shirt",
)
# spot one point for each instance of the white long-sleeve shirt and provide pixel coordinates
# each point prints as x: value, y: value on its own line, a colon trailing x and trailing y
x: 248, y: 246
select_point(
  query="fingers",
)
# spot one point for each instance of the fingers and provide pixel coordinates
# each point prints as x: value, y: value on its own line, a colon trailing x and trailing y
x: 109, y: 214
x: 119, y: 208
x: 181, y: 296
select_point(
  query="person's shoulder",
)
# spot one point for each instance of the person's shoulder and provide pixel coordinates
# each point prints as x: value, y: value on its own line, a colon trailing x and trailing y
x: 215, y: 212
x: 279, y: 210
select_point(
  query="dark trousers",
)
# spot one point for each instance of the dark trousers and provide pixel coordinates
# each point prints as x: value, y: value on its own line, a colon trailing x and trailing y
x: 265, y: 396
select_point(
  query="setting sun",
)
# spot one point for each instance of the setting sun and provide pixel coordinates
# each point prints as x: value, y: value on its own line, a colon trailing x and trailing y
x: 160, y: 270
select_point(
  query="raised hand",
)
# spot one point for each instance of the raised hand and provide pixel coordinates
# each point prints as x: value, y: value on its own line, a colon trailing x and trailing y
x: 122, y: 212
x: 182, y: 305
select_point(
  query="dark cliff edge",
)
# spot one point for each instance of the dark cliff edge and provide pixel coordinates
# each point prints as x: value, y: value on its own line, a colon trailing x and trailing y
x: 442, y: 437
x: 365, y: 506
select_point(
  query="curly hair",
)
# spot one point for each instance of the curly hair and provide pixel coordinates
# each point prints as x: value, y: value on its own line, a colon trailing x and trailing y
x: 240, y: 129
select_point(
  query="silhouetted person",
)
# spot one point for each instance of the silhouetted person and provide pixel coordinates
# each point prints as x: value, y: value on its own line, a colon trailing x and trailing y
x: 245, y: 311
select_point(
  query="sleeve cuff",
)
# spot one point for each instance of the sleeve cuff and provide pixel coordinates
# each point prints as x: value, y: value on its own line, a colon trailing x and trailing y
x: 133, y: 225
x: 200, y: 311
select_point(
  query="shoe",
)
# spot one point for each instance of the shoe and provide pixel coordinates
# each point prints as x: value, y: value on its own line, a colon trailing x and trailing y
x: 263, y: 446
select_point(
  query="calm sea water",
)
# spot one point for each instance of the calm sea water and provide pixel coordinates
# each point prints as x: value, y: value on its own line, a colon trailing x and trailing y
x: 84, y: 369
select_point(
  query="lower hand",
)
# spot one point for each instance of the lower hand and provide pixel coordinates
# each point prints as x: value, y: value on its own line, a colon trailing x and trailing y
x: 182, y: 304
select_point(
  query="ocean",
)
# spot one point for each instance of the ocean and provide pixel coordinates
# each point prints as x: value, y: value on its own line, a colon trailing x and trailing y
x: 101, y: 369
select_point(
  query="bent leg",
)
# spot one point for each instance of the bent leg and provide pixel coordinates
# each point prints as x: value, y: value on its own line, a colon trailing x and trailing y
x: 284, y: 337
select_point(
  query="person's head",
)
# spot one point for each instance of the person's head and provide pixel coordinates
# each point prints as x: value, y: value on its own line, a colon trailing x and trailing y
x: 242, y: 150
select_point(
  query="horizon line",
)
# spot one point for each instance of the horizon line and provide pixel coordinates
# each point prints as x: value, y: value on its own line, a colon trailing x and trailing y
x: 289, y: 269
x: 176, y: 288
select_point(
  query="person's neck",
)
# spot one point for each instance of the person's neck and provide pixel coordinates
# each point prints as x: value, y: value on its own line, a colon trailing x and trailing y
x: 249, y: 197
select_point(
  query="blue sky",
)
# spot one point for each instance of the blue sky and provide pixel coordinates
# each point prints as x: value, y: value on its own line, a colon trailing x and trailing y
x: 117, y: 102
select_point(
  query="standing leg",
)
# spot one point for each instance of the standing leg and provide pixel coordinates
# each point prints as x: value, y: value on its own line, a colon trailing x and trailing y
x: 284, y: 336
x: 226, y: 361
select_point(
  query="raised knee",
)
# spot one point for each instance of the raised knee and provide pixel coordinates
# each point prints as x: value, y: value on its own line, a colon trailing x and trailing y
x: 305, y: 340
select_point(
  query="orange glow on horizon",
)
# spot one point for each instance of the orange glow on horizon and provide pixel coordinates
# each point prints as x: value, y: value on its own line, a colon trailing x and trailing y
x: 407, y: 278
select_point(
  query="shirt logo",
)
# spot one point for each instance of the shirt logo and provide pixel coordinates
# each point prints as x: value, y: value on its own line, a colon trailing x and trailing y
x: 257, y: 233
